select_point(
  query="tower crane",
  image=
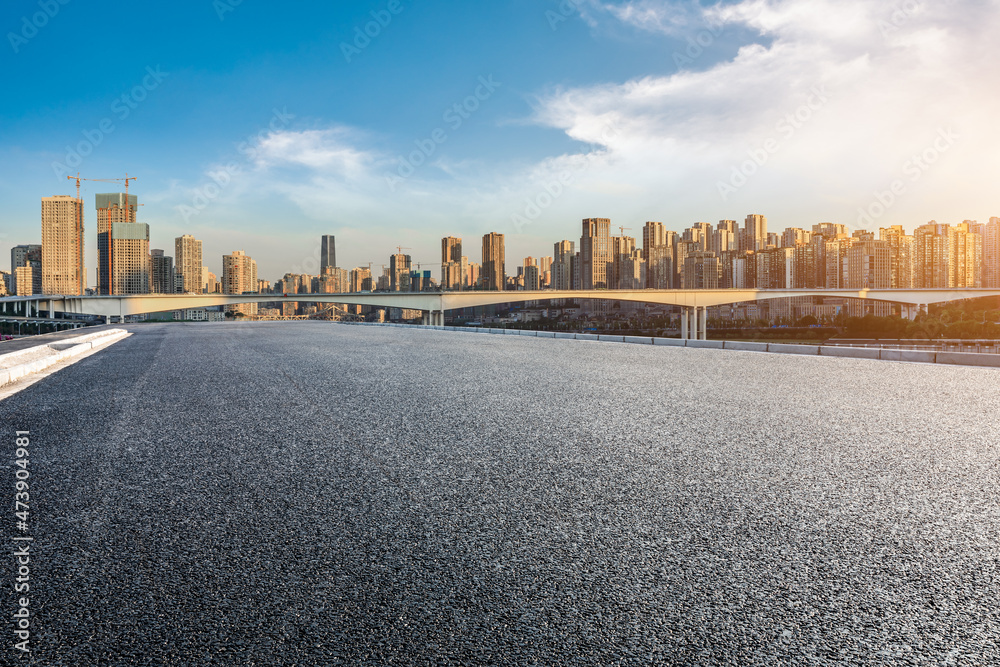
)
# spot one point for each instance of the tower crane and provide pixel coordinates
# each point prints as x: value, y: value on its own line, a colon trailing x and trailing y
x: 127, y: 178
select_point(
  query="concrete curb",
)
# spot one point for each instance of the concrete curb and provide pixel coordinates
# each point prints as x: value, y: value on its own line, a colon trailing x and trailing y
x: 745, y: 346
x: 851, y: 352
x: 64, y: 350
x: 910, y: 356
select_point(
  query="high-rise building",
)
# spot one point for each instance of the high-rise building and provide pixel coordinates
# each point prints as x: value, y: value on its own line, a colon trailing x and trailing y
x: 328, y: 253
x: 211, y: 282
x: 621, y: 272
x: 187, y: 251
x: 837, y: 267
x: 532, y: 277
x: 725, y: 237
x: 965, y: 253
x: 660, y: 270
x: 931, y: 267
x: 991, y: 253
x: 239, y: 275
x: 334, y: 280
x: 793, y: 236
x: 473, y: 275
x: 399, y: 272
x: 451, y: 249
x: 595, y: 254
x: 653, y: 234
x: 659, y: 252
x: 754, y: 233
x: 112, y: 208
x: 29, y: 257
x: 451, y: 264
x: 562, y: 265
x: 128, y: 258
x: 494, y: 272
x: 24, y: 280
x: 900, y: 256
x: 869, y: 265
x: 361, y: 280
x: 163, y: 279
x: 829, y: 230
x: 685, y: 249
x: 775, y: 268
x: 701, y: 233
x: 62, y: 270
x: 702, y: 270
x: 806, y: 259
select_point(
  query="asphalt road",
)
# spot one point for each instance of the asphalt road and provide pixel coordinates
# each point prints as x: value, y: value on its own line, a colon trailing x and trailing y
x: 316, y: 494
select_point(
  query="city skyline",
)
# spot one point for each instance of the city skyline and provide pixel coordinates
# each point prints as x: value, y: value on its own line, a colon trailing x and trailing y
x: 626, y: 121
x: 313, y: 263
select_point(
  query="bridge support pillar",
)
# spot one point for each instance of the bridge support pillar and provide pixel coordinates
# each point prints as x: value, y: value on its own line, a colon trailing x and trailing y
x: 684, y: 323
x: 425, y: 318
x: 702, y: 323
x: 693, y: 323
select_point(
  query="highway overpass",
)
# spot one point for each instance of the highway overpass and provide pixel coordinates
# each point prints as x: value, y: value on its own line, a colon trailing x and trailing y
x: 694, y: 303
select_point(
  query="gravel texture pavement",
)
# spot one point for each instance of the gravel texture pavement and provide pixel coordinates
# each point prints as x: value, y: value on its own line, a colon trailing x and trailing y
x: 319, y: 494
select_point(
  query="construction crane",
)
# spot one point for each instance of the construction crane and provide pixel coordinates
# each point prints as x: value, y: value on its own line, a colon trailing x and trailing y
x: 621, y: 230
x: 106, y: 180
x: 419, y: 264
x: 401, y: 249
x: 102, y: 180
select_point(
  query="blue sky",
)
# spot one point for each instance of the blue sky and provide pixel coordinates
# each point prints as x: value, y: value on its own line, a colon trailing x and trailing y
x: 805, y: 111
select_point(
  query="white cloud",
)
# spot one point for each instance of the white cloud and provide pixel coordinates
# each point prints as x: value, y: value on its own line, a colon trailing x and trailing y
x: 328, y: 150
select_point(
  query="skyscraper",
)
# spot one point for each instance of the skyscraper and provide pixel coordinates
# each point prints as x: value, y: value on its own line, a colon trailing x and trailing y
x: 869, y: 265
x: 112, y: 208
x: 328, y: 253
x: 900, y: 256
x: 991, y: 253
x: 451, y: 263
x: 965, y: 252
x: 161, y: 269
x: 754, y: 235
x: 399, y: 272
x: 930, y: 256
x: 451, y: 249
x: 26, y: 269
x: 128, y: 258
x: 239, y: 275
x: 595, y: 253
x: 562, y: 265
x: 659, y: 251
x: 62, y: 269
x: 187, y: 251
x: 494, y: 273
x: 532, y: 277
